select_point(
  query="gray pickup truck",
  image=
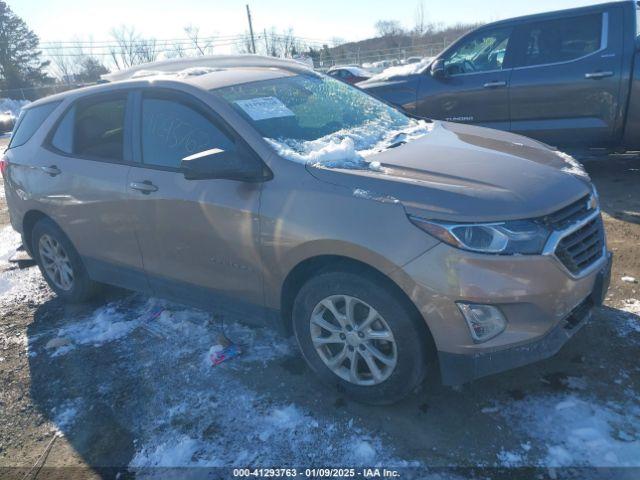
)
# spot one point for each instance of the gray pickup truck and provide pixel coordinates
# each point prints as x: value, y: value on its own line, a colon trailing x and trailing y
x: 569, y: 78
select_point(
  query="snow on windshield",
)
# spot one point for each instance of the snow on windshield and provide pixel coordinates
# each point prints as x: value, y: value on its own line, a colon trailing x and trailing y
x: 319, y: 120
x: 402, y: 70
x: 350, y: 148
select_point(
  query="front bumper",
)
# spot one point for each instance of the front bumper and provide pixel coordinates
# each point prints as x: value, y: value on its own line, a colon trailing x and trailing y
x: 456, y: 369
x: 543, y: 304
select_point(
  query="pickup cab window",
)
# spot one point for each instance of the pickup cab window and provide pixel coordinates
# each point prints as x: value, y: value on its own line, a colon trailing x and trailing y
x: 562, y: 39
x: 482, y: 52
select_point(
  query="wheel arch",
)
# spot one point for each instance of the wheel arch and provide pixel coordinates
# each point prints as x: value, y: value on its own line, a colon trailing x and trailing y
x: 28, y: 222
x: 310, y: 267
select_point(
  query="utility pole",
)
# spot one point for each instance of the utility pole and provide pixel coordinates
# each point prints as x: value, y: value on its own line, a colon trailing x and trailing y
x: 253, y: 40
x: 266, y: 43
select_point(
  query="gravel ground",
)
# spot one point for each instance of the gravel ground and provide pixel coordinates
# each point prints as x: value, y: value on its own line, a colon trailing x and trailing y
x: 117, y: 384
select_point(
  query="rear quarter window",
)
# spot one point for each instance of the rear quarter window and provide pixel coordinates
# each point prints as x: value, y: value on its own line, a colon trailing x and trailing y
x: 29, y: 122
x: 562, y: 39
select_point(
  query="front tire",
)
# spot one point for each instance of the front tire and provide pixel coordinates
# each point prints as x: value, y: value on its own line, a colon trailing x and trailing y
x: 60, y: 263
x: 355, y: 333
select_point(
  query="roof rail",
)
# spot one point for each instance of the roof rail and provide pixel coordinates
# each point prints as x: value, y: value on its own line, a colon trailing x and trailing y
x: 209, y: 61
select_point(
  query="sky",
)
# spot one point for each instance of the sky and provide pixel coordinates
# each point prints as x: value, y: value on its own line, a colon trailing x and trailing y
x: 319, y: 20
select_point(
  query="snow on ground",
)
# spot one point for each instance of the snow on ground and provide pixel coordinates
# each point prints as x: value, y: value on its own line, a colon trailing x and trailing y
x: 578, y: 427
x: 11, y: 105
x: 570, y: 430
x: 64, y: 416
x: 16, y: 285
x: 627, y: 321
x: 221, y: 421
x: 349, y: 148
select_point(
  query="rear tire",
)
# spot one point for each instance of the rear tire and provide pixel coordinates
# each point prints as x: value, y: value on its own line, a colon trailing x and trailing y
x: 394, y: 341
x: 60, y: 263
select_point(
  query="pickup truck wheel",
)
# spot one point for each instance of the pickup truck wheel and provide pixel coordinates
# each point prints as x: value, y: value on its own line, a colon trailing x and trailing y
x: 355, y: 334
x: 60, y: 263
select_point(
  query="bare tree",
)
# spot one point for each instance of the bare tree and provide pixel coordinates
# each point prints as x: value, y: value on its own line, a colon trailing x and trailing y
x: 175, y: 51
x: 244, y: 45
x: 130, y: 49
x: 388, y: 28
x: 63, y: 64
x: 201, y: 46
x: 76, y: 63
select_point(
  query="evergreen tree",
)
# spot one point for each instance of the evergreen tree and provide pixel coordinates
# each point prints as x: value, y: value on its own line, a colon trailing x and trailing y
x: 20, y: 62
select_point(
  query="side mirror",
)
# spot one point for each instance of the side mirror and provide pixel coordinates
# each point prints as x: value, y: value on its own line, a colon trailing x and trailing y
x: 230, y: 165
x: 437, y: 69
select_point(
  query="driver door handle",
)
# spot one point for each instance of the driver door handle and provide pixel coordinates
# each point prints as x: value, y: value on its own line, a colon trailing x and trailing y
x: 598, y: 75
x: 145, y: 187
x: 495, y: 84
x: 51, y: 170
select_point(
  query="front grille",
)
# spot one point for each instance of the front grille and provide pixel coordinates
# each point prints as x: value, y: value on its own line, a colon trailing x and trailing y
x: 582, y: 248
x: 570, y: 214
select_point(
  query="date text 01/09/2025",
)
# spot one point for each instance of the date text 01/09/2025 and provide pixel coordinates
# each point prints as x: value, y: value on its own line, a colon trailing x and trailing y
x: 316, y: 472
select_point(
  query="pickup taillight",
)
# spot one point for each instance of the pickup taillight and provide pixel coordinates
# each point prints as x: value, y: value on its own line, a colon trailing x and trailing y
x: 4, y: 164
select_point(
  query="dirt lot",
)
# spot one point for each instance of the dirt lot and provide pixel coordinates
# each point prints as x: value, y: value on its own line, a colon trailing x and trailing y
x: 114, y: 384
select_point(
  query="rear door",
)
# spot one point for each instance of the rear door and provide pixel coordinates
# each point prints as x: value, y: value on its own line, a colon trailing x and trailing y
x: 565, y: 86
x: 474, y: 88
x: 79, y: 179
x: 199, y: 238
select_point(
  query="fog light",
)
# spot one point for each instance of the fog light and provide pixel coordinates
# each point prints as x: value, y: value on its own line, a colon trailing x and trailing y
x: 484, y: 321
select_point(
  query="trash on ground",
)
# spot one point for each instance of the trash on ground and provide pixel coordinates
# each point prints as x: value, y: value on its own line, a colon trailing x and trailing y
x: 629, y: 280
x: 224, y: 350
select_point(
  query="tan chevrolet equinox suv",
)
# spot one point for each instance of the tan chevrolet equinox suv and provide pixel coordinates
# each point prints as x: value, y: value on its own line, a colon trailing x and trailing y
x: 259, y: 188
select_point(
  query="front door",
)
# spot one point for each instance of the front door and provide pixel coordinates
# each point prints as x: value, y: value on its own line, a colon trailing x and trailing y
x: 199, y: 238
x: 475, y: 86
x: 566, y: 79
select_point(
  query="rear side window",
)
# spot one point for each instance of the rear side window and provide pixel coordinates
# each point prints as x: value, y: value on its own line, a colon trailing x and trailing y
x: 93, y: 128
x: 562, y: 40
x: 29, y: 121
x: 172, y: 130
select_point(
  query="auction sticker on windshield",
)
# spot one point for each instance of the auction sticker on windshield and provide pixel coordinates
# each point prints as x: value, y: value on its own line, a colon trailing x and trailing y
x: 262, y: 108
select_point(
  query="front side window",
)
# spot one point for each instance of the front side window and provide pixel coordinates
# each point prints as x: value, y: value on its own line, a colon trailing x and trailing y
x: 93, y: 128
x: 562, y: 40
x: 172, y: 130
x: 482, y: 52
x: 309, y: 117
x: 29, y: 121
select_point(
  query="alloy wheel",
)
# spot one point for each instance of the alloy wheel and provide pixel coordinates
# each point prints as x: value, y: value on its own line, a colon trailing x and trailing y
x: 56, y: 262
x: 353, y: 340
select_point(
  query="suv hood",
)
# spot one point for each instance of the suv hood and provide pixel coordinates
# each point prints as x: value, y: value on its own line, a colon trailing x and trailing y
x: 464, y: 173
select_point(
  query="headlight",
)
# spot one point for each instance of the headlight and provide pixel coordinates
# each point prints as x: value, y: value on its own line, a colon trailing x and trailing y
x: 506, y: 238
